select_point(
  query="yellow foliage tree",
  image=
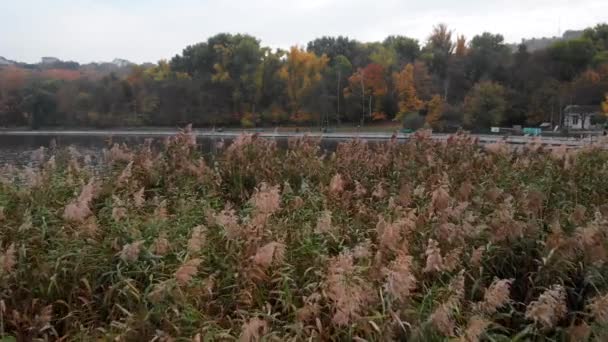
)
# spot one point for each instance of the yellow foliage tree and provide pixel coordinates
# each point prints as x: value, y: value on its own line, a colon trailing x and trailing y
x: 435, y: 109
x: 605, y: 105
x: 461, y: 46
x: 406, y: 91
x: 301, y: 72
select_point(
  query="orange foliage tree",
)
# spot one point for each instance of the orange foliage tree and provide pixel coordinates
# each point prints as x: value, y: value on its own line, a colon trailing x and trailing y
x: 301, y: 72
x: 461, y: 47
x: 370, y: 84
x: 406, y: 91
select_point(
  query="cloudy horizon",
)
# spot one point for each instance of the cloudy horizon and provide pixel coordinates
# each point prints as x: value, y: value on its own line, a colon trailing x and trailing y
x: 147, y: 31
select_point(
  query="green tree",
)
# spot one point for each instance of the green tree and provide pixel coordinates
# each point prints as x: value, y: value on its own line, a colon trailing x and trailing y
x: 407, y: 49
x: 439, y: 50
x: 487, y: 54
x: 571, y: 57
x: 485, y: 105
x: 544, y: 103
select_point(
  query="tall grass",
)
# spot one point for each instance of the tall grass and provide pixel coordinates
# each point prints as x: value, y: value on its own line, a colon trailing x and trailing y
x: 418, y: 241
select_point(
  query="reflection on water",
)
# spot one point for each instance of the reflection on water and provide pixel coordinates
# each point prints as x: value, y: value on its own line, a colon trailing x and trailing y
x: 20, y: 150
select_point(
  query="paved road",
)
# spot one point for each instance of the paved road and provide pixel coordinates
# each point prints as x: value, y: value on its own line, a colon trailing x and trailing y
x: 484, y: 139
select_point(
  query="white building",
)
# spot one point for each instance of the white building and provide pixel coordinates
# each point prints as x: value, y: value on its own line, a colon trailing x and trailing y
x: 579, y: 117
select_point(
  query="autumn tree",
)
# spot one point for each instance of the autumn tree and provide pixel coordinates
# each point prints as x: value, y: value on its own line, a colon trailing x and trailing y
x: 605, y: 105
x: 586, y: 88
x: 485, y: 105
x: 406, y: 92
x: 301, y: 72
x: 12, y: 82
x: 370, y: 84
x: 461, y: 46
x: 435, y: 108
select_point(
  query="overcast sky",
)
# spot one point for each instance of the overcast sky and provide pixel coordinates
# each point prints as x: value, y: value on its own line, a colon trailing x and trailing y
x: 148, y: 30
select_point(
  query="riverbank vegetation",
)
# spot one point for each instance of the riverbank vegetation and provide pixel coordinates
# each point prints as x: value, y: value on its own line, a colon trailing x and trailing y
x: 419, y: 241
x: 232, y: 80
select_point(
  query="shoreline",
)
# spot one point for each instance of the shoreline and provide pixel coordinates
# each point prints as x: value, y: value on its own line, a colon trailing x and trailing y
x: 382, y: 136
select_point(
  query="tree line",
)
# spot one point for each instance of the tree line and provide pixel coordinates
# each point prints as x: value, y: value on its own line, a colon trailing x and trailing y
x: 232, y: 80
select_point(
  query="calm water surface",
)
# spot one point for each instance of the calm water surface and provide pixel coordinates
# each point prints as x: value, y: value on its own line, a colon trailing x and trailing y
x: 20, y: 150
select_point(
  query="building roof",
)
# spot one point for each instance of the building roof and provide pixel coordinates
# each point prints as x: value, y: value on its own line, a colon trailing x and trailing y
x: 582, y: 109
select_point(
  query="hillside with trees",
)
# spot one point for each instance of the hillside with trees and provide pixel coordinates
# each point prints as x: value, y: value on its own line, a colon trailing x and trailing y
x: 445, y: 82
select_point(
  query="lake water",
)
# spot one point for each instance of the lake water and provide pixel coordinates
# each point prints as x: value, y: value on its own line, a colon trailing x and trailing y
x: 19, y: 149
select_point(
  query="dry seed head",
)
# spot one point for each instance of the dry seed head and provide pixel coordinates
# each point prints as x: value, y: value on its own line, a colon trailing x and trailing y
x: 400, y: 280
x: 253, y: 330
x: 228, y: 219
x: 452, y: 259
x: 336, y: 185
x: 161, y: 245
x: 158, y: 292
x: 78, y: 210
x: 187, y: 271
x: 197, y: 239
x: 43, y: 319
x: 534, y: 202
x: 9, y: 258
x: 578, y: 215
x: 599, y: 308
x: 138, y: 198
x: 549, y: 308
x: 130, y: 252
x: 579, y: 332
x: 477, y: 256
x: 475, y: 327
x: 440, y: 199
x: 160, y: 213
x: 118, y: 153
x: 324, y: 224
x: 464, y: 192
x: 456, y: 287
x: 496, y: 296
x: 360, y: 190
x: 362, y: 250
x: 379, y: 191
x: 297, y: 203
x: 347, y: 293
x: 90, y: 227
x: 390, y: 237
x: 266, y: 199
x: 443, y: 321
x: 434, y: 260
x: 119, y: 213
x: 269, y: 254
x: 125, y: 174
